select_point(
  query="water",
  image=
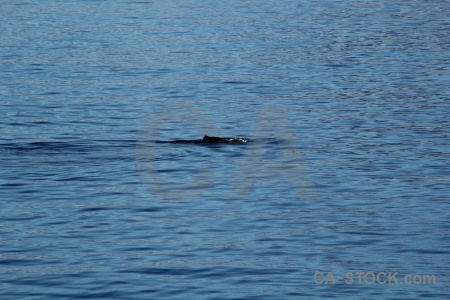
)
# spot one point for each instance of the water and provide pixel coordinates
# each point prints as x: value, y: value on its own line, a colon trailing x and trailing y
x: 348, y: 103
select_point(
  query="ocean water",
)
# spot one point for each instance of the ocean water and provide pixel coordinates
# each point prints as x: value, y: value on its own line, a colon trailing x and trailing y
x: 346, y: 103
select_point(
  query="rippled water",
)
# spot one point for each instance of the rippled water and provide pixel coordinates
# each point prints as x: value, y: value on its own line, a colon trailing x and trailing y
x: 347, y: 103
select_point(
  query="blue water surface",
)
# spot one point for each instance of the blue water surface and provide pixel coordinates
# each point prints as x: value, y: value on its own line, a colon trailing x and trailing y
x: 347, y: 104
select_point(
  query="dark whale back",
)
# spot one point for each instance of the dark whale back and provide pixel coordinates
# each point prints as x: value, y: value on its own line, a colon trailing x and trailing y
x: 211, y: 139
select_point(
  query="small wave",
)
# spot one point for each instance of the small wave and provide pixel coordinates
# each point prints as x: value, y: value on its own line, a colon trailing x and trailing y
x: 66, y: 147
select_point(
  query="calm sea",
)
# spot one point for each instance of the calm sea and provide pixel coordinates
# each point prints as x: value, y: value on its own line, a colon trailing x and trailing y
x: 343, y: 192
